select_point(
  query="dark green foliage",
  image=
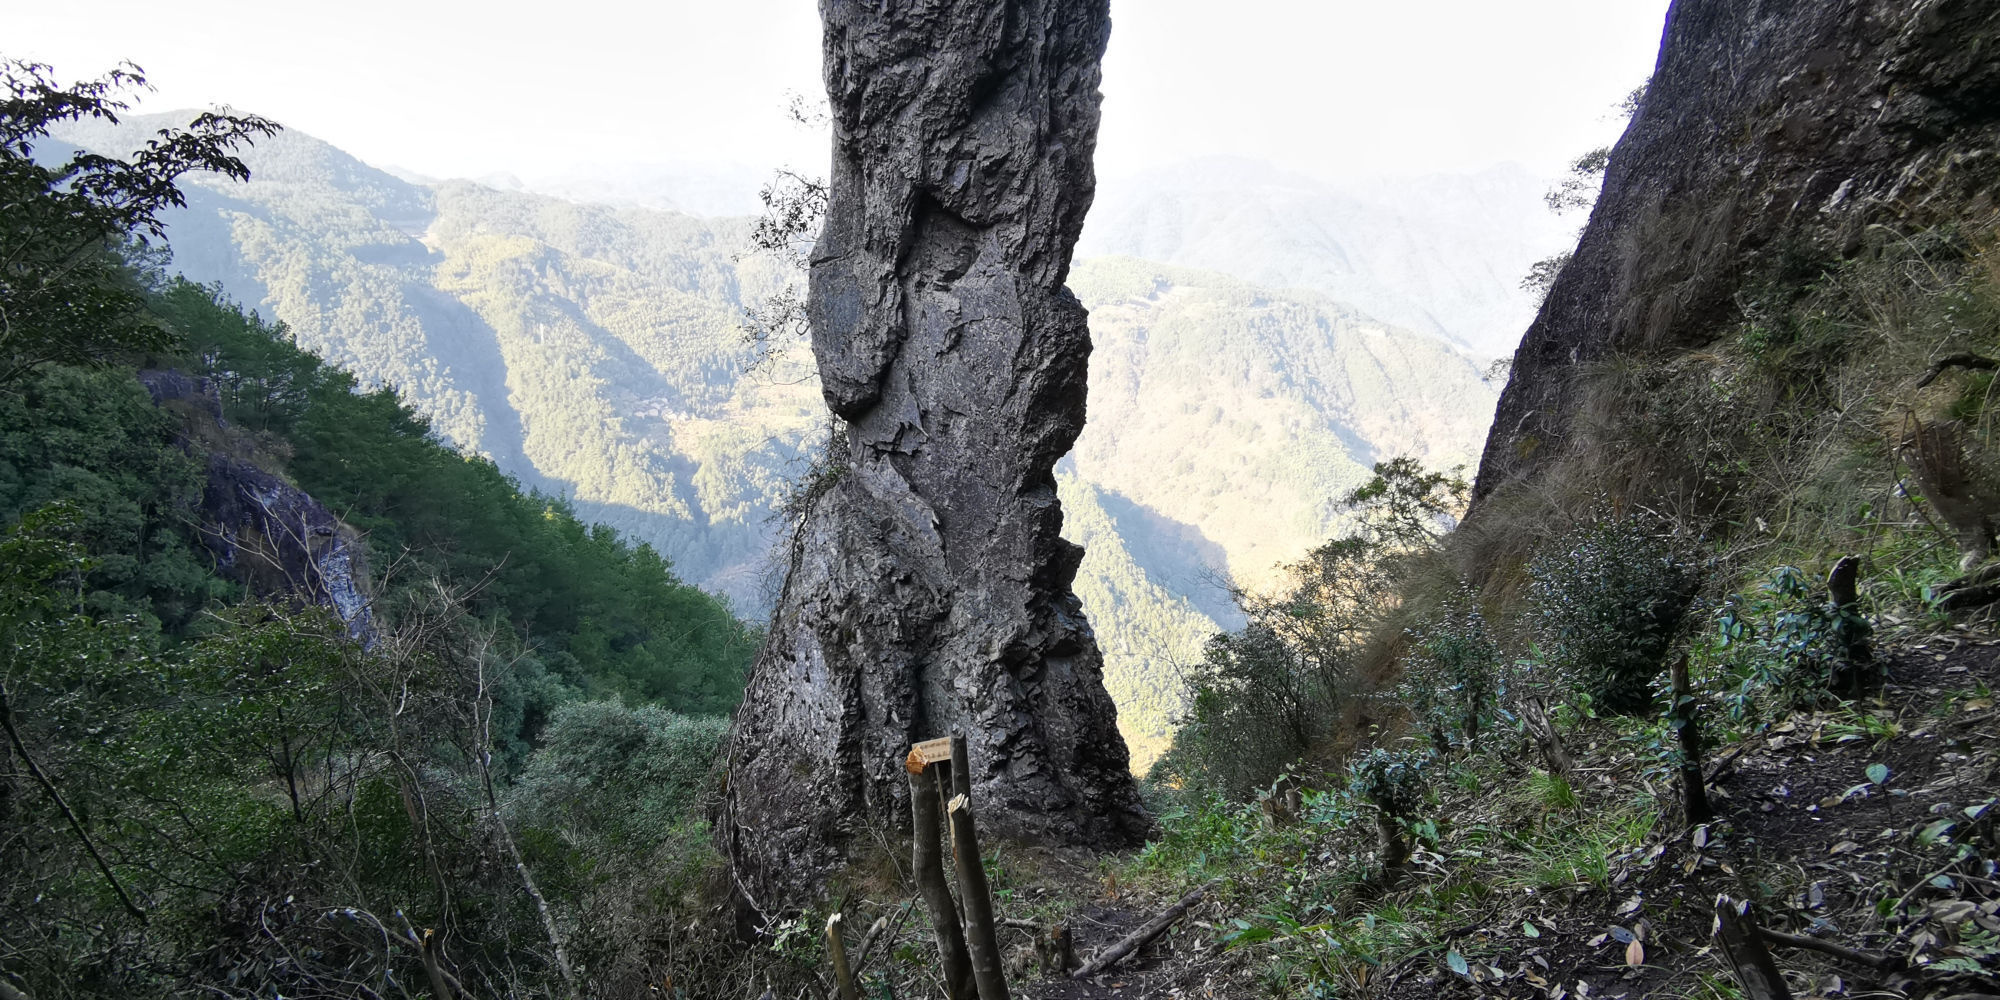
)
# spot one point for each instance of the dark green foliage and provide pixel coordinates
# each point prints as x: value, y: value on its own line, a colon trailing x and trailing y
x: 1391, y: 780
x: 1405, y: 507
x: 1788, y: 640
x: 609, y: 615
x: 1269, y: 694
x: 94, y: 440
x: 1254, y: 709
x: 66, y: 295
x: 1452, y: 675
x: 627, y: 776
x: 199, y: 796
x: 1606, y: 603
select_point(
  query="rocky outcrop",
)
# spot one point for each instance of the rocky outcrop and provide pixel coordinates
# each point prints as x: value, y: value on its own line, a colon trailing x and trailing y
x: 929, y: 589
x: 1769, y: 125
x: 280, y: 542
x: 262, y: 531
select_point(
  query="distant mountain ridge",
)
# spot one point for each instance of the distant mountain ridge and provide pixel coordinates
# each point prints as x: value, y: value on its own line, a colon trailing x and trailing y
x: 594, y: 350
x: 1441, y: 254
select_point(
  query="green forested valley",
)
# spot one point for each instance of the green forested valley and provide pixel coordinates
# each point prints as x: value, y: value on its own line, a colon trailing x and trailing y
x: 595, y: 352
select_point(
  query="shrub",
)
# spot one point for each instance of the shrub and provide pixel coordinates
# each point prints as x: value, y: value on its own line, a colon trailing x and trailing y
x: 1393, y: 782
x: 616, y: 777
x: 1606, y: 605
x: 1451, y: 680
x: 1253, y: 710
x: 1788, y: 639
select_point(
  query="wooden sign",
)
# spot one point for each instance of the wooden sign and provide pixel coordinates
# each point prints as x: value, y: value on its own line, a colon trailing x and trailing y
x: 928, y: 752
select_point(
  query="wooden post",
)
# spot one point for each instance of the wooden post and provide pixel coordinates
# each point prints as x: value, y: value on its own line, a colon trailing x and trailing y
x: 961, y: 769
x: 982, y: 938
x: 836, y: 951
x: 1843, y: 589
x: 928, y: 861
x: 1694, y: 790
x: 1743, y: 946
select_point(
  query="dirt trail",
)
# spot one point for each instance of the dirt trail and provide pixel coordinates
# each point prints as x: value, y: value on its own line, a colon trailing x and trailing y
x: 1805, y: 830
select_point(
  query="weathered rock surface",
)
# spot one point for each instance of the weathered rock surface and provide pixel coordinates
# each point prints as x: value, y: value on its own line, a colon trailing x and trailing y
x: 1768, y: 124
x: 264, y: 532
x: 929, y: 589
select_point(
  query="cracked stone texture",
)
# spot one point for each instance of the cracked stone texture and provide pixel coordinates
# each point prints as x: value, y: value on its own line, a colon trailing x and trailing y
x: 929, y: 589
x: 1767, y: 123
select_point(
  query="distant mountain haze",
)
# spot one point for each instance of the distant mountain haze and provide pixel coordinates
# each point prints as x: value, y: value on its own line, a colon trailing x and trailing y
x: 592, y: 348
x: 1440, y: 254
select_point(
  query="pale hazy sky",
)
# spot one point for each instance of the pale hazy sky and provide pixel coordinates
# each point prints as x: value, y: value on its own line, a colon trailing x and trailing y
x: 1335, y: 87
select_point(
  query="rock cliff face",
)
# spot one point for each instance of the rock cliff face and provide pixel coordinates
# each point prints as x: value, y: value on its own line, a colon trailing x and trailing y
x: 263, y: 532
x: 929, y: 588
x: 1769, y: 124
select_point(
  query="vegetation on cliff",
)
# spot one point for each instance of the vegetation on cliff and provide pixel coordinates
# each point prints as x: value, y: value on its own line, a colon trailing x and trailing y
x: 209, y: 781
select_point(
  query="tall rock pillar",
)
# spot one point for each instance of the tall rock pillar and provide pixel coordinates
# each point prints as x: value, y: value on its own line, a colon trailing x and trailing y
x: 929, y: 590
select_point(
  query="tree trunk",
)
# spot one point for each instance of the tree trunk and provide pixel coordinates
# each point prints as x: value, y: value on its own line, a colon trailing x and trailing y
x: 927, y: 865
x: 1743, y: 949
x: 1542, y: 729
x: 1694, y: 790
x: 1935, y: 451
x: 982, y: 934
x: 929, y: 589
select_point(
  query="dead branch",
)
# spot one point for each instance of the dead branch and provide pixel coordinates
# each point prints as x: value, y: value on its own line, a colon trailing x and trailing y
x: 836, y: 953
x: 1870, y: 959
x: 1694, y: 790
x: 75, y: 824
x: 1137, y: 939
x: 1963, y: 359
x: 1743, y: 946
x: 484, y: 755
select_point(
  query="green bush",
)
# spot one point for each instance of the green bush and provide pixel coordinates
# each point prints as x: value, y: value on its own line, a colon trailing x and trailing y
x: 616, y: 778
x: 1393, y: 781
x: 1787, y: 639
x: 1452, y: 677
x: 1253, y: 710
x: 1605, y: 605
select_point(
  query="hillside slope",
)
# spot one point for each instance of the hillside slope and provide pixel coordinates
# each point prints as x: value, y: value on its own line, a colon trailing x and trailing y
x: 1767, y: 144
x: 593, y: 350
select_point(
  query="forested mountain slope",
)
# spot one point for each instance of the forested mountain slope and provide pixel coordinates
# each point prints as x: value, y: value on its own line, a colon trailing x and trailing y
x: 587, y: 349
x: 594, y: 350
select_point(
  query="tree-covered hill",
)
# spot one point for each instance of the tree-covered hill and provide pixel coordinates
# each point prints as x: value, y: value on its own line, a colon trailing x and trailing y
x: 1236, y: 415
x: 594, y: 351
x: 277, y: 666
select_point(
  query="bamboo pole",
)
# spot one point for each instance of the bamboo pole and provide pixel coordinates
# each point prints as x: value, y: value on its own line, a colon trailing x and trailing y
x: 1743, y: 946
x: 928, y: 862
x: 982, y: 937
x: 836, y: 951
x: 1693, y: 789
